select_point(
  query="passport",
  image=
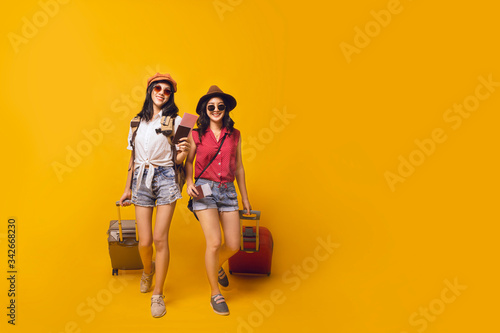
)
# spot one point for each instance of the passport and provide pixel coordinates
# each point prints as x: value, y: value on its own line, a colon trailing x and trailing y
x: 185, y: 127
x: 203, y: 191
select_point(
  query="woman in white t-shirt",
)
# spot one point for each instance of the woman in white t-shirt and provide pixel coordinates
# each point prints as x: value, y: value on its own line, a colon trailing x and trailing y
x: 151, y: 182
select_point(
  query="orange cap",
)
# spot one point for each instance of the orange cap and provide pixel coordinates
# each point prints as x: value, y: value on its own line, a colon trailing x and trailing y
x: 159, y: 77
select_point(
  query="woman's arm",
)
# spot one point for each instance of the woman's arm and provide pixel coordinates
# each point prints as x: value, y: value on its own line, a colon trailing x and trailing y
x: 127, y: 194
x: 182, y: 146
x: 183, y: 150
x: 240, y: 178
x: 191, y: 190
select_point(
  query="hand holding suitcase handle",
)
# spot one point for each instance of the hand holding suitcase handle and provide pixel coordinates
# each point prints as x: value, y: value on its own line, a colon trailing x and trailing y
x: 254, y: 215
x: 126, y: 202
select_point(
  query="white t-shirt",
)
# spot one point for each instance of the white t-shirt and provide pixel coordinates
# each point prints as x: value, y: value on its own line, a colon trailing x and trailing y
x: 151, y: 148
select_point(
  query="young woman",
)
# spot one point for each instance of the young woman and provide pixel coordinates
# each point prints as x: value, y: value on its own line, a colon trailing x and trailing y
x: 151, y: 182
x: 215, y: 128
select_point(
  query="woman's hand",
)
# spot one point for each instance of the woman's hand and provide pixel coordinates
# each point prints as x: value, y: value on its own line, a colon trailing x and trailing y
x: 183, y: 146
x: 247, y: 206
x: 191, y: 190
x: 126, y: 196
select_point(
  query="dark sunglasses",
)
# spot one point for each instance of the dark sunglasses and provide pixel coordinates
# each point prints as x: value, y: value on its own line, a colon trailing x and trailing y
x: 166, y: 91
x: 211, y: 107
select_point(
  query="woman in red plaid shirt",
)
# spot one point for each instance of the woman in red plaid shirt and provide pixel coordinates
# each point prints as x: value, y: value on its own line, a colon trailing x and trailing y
x: 220, y: 206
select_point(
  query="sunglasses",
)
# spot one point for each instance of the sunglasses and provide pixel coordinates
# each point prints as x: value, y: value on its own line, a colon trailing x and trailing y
x: 211, y: 107
x: 166, y: 91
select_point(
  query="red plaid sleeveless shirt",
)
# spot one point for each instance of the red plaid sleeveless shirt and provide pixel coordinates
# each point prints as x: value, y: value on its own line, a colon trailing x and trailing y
x: 223, y: 167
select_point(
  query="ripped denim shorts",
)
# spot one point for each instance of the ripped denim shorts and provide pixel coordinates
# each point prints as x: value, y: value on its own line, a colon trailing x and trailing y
x: 223, y: 197
x: 163, y: 191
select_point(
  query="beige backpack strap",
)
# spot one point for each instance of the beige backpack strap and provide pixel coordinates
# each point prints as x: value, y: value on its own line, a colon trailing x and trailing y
x: 134, y: 124
x: 167, y: 127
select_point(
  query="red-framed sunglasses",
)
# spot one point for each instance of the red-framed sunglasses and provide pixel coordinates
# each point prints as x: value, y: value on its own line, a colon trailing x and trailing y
x: 166, y: 91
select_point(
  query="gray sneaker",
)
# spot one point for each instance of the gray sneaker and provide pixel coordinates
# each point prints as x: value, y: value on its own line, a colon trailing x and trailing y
x: 223, y: 281
x: 219, y: 305
x: 158, y: 306
x: 147, y: 279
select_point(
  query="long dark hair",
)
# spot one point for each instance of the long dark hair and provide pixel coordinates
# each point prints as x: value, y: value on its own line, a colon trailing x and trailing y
x: 203, y: 121
x: 168, y: 109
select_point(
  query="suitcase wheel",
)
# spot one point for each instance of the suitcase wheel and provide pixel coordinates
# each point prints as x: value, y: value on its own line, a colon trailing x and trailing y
x: 268, y: 273
x: 231, y: 272
x: 115, y: 270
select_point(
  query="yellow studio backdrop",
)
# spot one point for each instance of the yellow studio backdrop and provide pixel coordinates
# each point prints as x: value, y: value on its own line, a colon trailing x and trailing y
x: 369, y: 142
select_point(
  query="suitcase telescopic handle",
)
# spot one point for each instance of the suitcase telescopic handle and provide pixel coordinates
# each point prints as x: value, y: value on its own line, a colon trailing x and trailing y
x: 120, y: 222
x: 255, y: 216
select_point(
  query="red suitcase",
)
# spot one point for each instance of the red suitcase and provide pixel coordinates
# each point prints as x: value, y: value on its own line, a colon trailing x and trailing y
x: 256, y: 252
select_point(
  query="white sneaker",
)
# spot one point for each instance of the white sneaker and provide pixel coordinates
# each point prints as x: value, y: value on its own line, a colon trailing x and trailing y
x: 158, y: 306
x: 147, y: 279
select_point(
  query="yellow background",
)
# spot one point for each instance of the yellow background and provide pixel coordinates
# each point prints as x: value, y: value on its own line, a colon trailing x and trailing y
x: 320, y: 174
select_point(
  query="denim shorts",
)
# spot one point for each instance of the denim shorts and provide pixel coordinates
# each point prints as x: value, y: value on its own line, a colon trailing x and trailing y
x: 223, y: 197
x: 164, y: 190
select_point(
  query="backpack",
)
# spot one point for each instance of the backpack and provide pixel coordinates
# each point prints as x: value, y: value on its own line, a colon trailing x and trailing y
x: 167, y: 128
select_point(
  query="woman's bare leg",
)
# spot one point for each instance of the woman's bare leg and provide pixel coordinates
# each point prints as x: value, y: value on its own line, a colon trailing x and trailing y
x: 209, y: 221
x: 231, y: 226
x: 144, y: 217
x: 164, y: 215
